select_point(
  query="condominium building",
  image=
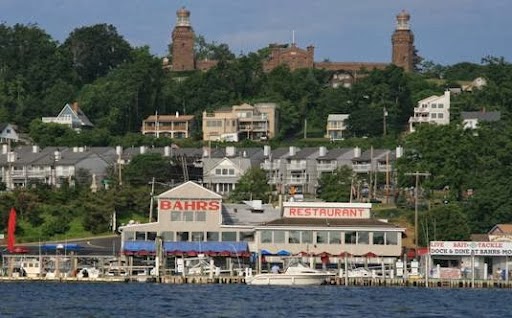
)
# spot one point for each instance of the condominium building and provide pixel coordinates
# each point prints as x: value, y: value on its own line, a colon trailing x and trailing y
x: 258, y: 122
x: 173, y: 126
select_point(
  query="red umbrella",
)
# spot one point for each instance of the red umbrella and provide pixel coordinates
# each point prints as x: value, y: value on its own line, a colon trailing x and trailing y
x: 11, y: 228
x: 192, y: 253
x: 303, y: 254
x: 370, y: 255
x: 345, y: 254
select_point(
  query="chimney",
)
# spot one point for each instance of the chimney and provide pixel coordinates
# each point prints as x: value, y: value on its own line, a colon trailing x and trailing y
x: 266, y: 150
x: 75, y: 107
x: 292, y: 151
x: 35, y: 148
x: 322, y: 151
x: 119, y: 151
x: 167, y: 151
x: 230, y: 151
x: 399, y: 152
x: 357, y: 152
x: 142, y: 150
x: 5, y: 148
x: 177, y: 114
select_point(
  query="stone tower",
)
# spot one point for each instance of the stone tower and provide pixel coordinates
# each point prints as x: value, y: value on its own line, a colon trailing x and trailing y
x: 403, y: 43
x: 182, y: 47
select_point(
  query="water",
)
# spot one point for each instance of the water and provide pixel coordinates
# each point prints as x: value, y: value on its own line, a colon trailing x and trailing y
x: 42, y: 299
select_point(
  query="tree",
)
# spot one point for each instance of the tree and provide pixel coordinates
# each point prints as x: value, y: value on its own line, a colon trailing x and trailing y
x: 253, y: 185
x: 143, y: 168
x: 96, y: 50
x: 444, y: 223
x: 336, y: 186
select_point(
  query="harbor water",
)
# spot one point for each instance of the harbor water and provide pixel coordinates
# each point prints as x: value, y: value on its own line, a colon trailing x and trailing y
x: 54, y: 299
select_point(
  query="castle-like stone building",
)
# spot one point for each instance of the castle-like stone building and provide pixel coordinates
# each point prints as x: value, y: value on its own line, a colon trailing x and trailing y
x: 182, y: 49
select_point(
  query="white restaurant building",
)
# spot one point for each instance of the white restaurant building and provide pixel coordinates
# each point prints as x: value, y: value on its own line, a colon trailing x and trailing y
x: 193, y: 220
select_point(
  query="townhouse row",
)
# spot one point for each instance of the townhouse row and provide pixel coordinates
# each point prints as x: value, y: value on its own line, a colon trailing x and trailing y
x: 218, y: 169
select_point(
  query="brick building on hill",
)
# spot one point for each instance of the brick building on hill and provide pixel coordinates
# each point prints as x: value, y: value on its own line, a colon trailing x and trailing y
x: 183, y: 59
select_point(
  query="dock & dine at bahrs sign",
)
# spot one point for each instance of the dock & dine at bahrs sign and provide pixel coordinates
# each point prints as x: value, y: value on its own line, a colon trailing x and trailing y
x: 471, y: 248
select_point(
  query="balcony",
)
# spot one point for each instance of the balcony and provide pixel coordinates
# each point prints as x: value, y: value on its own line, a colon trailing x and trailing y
x: 296, y: 166
x: 384, y: 167
x: 296, y: 180
x: 267, y: 165
x: 361, y: 167
x: 330, y: 166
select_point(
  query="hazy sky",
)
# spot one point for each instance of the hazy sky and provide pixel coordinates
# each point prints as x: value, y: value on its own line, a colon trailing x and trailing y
x: 446, y: 31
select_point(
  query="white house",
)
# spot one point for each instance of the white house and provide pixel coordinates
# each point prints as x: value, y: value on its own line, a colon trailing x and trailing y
x: 431, y: 110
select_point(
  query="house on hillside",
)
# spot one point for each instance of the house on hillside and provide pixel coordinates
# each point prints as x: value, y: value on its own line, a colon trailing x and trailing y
x: 431, y: 110
x: 173, y: 126
x: 8, y: 133
x: 71, y: 116
x: 470, y: 120
x: 336, y: 126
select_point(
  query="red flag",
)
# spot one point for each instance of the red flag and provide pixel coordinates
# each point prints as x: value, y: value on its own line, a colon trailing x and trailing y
x: 11, y: 228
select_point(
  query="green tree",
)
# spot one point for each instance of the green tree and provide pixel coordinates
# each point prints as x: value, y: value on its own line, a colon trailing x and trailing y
x: 96, y: 50
x: 336, y: 186
x: 143, y: 168
x: 252, y: 185
x: 443, y: 223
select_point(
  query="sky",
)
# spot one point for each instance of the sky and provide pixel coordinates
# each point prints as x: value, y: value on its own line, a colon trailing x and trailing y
x: 446, y: 31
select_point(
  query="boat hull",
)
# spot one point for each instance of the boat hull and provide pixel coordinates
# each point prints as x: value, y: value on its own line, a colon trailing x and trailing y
x: 288, y: 280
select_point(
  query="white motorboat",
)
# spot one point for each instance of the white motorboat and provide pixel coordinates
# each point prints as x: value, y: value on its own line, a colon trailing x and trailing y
x: 295, y: 274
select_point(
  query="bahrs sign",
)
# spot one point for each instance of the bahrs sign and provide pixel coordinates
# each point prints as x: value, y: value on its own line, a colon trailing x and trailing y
x: 464, y: 248
x: 189, y: 205
x: 326, y: 210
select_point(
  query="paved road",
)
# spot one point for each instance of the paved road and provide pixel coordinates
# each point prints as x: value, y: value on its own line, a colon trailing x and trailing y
x: 101, y: 245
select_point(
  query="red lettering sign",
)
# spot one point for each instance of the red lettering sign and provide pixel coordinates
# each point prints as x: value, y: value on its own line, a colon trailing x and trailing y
x: 189, y: 205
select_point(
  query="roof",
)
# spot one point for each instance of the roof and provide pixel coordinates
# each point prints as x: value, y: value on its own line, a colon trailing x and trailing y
x: 482, y: 116
x: 190, y: 190
x: 305, y: 153
x: 336, y: 153
x: 247, y: 214
x: 306, y: 222
x: 501, y: 229
x: 169, y: 118
x: 340, y: 117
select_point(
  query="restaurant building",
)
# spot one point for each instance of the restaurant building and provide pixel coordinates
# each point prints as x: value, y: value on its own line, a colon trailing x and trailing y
x: 193, y: 220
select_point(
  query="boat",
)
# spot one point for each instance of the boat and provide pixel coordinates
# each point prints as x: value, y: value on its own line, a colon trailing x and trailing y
x: 295, y: 274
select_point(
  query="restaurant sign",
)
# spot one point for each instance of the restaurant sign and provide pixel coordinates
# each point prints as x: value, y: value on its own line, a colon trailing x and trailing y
x: 465, y: 248
x: 326, y: 210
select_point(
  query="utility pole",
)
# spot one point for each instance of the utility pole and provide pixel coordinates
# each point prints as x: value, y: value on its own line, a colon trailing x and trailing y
x: 151, y: 202
x: 385, y: 115
x: 417, y: 175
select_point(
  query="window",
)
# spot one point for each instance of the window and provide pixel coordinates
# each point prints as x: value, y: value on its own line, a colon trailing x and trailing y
x: 279, y: 236
x: 440, y: 115
x: 129, y: 235
x: 363, y: 237
x: 433, y: 115
x: 200, y: 216
x: 247, y: 236
x: 229, y: 236
x: 334, y: 238
x: 167, y: 236
x: 212, y: 236
x: 433, y: 105
x: 307, y: 237
x: 350, y: 237
x: 378, y: 238
x: 391, y: 238
x: 151, y: 236
x: 175, y: 216
x: 266, y: 236
x: 294, y: 237
x: 182, y: 236
x: 188, y: 216
x: 197, y: 236
x: 440, y: 106
x: 225, y: 171
x: 140, y: 236
x: 321, y: 237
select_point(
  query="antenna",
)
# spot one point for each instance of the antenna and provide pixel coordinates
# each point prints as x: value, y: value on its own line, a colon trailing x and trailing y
x: 293, y: 37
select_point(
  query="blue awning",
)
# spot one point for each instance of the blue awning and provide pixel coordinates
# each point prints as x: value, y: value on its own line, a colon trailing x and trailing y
x: 206, y: 247
x: 138, y: 246
x: 141, y: 247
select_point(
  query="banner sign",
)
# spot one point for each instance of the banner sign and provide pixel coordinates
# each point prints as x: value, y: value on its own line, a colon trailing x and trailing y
x: 464, y: 248
x: 326, y: 210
